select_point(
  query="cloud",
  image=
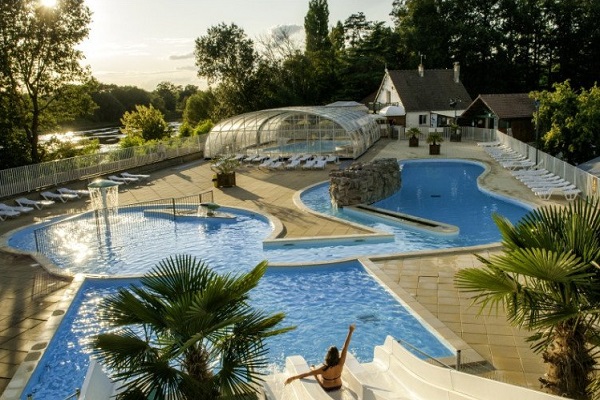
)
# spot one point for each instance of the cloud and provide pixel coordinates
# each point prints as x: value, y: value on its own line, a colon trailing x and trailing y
x: 281, y: 32
x: 187, y: 68
x: 181, y: 56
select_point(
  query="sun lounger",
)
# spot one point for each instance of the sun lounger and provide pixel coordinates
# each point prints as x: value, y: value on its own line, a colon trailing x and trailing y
x: 137, y: 176
x: 305, y: 157
x: 277, y: 165
x: 58, y: 196
x: 122, y: 180
x: 309, y: 164
x: 25, y: 202
x: 570, y: 192
x: 77, y: 192
x: 319, y: 164
x: 543, y: 186
x: 489, y: 144
x: 267, y: 163
x: 512, y: 165
x: 331, y: 158
x: 293, y: 164
x: 21, y: 209
x: 539, y: 178
x: 530, y: 172
x: 8, y: 213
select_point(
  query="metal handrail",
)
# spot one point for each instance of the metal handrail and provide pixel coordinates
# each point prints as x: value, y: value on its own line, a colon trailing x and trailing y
x: 428, y: 356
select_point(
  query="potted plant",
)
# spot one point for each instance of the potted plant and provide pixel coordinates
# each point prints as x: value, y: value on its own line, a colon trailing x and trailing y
x: 455, y: 133
x: 224, y: 168
x: 413, y: 136
x: 434, y: 139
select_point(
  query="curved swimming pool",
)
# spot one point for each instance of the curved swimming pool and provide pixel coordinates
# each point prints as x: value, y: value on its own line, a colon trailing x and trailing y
x: 445, y: 191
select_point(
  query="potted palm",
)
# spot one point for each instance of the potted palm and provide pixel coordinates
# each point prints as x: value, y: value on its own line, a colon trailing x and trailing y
x: 413, y: 136
x: 455, y: 133
x: 434, y: 139
x: 224, y: 168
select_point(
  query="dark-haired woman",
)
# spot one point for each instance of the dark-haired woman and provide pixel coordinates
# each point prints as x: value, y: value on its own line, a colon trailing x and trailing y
x: 330, y: 374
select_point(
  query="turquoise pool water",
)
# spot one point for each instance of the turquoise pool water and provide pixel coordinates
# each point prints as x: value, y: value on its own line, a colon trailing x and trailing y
x: 445, y: 191
x: 321, y: 312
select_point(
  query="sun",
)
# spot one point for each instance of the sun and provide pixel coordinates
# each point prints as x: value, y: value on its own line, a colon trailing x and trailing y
x: 49, y: 3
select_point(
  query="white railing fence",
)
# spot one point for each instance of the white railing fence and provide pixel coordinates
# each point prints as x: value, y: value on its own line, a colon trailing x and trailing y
x: 33, y: 177
x: 586, y: 182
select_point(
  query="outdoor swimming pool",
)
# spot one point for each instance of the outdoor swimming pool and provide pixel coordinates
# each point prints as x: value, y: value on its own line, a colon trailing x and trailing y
x: 445, y: 191
x: 321, y: 313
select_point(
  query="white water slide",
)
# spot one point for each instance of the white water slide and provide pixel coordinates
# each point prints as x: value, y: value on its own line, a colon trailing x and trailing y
x: 396, y: 374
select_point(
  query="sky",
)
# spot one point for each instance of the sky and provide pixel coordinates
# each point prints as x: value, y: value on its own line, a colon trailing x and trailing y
x: 145, y: 42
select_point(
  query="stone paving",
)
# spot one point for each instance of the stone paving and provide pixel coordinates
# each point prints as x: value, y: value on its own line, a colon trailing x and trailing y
x: 28, y: 295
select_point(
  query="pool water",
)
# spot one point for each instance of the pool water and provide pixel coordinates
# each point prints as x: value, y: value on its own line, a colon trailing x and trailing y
x: 321, y: 301
x: 321, y: 312
x: 442, y: 191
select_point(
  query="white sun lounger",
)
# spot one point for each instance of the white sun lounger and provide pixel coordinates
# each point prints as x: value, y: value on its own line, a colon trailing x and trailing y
x: 21, y: 209
x: 25, y: 202
x: 319, y: 164
x: 137, y: 176
x: 489, y: 144
x: 8, y: 213
x: 121, y: 179
x: 512, y: 165
x: 543, y: 185
x: 570, y: 192
x: 58, y: 196
x: 293, y: 164
x: 77, y: 192
x: 309, y: 164
x: 530, y: 172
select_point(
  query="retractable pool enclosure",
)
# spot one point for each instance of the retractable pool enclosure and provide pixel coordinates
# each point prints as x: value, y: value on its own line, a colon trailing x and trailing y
x: 346, y: 132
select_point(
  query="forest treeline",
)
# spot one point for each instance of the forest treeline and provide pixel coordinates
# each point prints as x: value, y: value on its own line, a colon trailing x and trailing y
x: 503, y: 46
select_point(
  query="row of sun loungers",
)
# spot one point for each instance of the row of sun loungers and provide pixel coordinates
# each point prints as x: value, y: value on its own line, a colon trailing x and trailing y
x: 304, y: 161
x: 63, y: 195
x: 542, y: 182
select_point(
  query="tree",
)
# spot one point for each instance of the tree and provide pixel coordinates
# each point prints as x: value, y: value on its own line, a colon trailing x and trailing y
x: 166, y: 95
x: 198, y: 107
x: 39, y: 58
x: 569, y: 122
x: 145, y: 122
x: 225, y: 54
x: 547, y: 281
x: 320, y: 54
x: 187, y: 332
x: 316, y: 26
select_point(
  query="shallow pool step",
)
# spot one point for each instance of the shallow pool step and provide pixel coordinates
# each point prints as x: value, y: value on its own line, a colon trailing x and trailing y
x: 405, y: 220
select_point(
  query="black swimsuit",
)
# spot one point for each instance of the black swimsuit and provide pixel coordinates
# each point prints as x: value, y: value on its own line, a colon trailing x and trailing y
x: 332, y: 388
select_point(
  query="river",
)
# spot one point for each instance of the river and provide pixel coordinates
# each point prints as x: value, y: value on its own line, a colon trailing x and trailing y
x: 109, y: 138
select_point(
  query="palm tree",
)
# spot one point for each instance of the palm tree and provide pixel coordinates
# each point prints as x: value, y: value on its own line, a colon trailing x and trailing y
x: 548, y: 280
x: 186, y: 332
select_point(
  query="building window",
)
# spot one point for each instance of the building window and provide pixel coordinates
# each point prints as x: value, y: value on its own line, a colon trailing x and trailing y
x: 423, y: 119
x: 388, y: 96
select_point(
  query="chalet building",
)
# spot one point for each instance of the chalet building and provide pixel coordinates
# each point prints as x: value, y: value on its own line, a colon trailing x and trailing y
x: 422, y: 98
x: 510, y: 113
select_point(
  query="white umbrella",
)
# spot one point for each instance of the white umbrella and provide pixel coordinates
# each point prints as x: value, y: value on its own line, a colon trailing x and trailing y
x: 392, y: 111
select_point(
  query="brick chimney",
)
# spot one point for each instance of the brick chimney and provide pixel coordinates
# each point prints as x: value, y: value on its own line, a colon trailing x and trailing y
x: 456, y: 72
x: 421, y: 70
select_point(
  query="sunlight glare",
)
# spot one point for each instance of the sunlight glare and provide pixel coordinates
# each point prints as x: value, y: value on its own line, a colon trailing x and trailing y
x: 49, y: 3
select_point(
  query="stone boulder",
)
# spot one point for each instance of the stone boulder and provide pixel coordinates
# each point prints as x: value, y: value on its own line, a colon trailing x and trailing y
x: 364, y: 183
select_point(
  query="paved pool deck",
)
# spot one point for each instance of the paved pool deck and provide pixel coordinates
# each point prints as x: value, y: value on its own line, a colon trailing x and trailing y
x: 28, y: 295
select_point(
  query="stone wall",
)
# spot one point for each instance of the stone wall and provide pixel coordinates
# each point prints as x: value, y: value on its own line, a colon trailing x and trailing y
x: 364, y: 183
